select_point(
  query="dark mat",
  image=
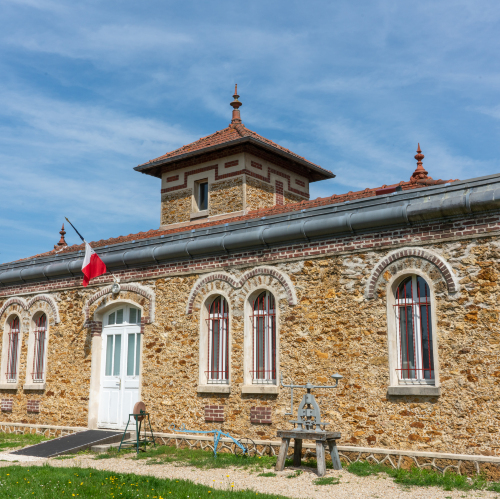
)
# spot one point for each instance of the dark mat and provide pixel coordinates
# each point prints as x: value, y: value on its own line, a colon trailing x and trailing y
x: 70, y: 443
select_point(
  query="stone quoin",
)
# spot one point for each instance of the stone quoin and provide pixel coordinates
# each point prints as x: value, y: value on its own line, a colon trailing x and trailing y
x: 394, y: 287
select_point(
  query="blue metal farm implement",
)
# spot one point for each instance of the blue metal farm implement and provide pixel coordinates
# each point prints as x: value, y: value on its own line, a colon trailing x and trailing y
x: 243, y: 447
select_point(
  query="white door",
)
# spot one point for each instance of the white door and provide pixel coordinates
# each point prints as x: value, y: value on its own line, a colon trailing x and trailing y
x: 121, y: 351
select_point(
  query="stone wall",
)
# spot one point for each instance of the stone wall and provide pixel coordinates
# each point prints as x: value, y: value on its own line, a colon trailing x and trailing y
x: 176, y: 207
x: 332, y: 328
x: 290, y: 197
x: 226, y: 196
x: 258, y: 194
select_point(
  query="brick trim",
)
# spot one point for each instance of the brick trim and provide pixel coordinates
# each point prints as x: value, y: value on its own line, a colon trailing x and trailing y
x: 27, y: 305
x: 236, y: 162
x: 214, y: 413
x: 438, y: 261
x: 133, y: 288
x: 95, y: 328
x: 261, y: 415
x: 238, y: 283
x: 173, y: 178
x: 6, y: 405
x: 244, y: 171
x: 462, y: 229
x: 33, y: 406
x: 279, y: 193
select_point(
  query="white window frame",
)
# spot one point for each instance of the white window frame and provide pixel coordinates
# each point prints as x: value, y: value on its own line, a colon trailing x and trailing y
x: 269, y: 329
x: 5, y: 381
x: 126, y: 315
x: 33, y: 383
x: 415, y: 302
x: 222, y: 318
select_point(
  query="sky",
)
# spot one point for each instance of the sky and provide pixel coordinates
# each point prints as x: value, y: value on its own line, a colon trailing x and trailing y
x: 90, y: 89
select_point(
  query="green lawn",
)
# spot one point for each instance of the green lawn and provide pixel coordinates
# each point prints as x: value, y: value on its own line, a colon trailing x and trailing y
x: 424, y: 477
x: 12, y: 440
x: 46, y: 482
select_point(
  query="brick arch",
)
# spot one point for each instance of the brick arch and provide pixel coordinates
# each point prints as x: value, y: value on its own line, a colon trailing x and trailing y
x: 13, y: 301
x: 437, y: 260
x: 282, y: 278
x: 27, y: 305
x: 133, y: 288
x: 50, y: 301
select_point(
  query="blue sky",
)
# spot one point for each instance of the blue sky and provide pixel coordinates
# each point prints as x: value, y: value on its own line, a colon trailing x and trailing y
x: 90, y: 89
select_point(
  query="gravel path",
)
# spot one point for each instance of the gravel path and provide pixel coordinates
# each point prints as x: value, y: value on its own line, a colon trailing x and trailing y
x: 302, y: 487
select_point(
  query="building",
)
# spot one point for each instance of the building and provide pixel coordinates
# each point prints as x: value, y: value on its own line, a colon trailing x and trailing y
x: 245, y: 281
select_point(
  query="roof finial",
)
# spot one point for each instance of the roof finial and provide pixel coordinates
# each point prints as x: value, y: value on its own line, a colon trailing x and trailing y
x: 420, y: 173
x: 62, y: 242
x: 236, y: 104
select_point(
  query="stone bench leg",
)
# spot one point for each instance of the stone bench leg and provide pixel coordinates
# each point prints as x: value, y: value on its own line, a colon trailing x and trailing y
x: 320, y: 458
x: 334, y: 453
x: 280, y: 463
x: 297, y: 451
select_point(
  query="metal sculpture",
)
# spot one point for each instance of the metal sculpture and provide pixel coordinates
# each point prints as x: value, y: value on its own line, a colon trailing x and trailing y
x: 308, y: 414
x: 243, y: 446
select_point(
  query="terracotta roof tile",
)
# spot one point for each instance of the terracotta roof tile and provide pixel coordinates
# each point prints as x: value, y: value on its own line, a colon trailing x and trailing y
x: 232, y: 132
x: 275, y: 210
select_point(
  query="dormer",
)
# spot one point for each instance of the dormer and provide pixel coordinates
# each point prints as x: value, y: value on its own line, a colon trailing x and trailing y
x: 229, y: 173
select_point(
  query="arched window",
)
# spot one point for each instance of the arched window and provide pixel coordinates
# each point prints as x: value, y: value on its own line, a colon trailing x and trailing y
x: 218, y: 344
x: 40, y: 337
x: 264, y: 339
x: 414, y: 331
x: 13, y: 350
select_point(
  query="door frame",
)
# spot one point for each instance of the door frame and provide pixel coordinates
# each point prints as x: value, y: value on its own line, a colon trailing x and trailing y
x: 97, y: 326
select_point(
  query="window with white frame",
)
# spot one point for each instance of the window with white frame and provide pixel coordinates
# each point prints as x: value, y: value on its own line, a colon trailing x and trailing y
x: 218, y: 342
x: 414, y: 331
x: 40, y: 338
x: 264, y: 339
x: 124, y: 315
x: 13, y: 350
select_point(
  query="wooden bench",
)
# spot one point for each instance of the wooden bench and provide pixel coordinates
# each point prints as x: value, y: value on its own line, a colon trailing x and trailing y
x: 321, y: 438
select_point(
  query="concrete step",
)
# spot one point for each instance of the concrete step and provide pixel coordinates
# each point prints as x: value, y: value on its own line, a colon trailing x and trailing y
x: 100, y: 449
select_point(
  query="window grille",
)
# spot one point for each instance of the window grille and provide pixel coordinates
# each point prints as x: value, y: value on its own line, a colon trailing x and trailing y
x: 218, y: 351
x: 264, y: 339
x: 414, y: 327
x: 11, y: 374
x: 39, y: 349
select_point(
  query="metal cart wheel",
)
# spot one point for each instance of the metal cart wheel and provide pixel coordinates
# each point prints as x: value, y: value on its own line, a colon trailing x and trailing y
x: 249, y: 444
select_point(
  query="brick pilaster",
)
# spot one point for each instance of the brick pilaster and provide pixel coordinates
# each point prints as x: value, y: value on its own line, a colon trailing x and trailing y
x: 279, y: 193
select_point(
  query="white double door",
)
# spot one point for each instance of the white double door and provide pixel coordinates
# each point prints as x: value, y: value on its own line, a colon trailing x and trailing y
x: 119, y: 390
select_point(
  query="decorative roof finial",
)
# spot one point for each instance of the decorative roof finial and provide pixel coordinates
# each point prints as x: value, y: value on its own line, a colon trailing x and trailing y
x: 236, y: 104
x: 420, y: 173
x: 62, y: 242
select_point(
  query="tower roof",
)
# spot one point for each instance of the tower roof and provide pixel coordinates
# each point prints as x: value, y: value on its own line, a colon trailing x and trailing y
x: 234, y: 135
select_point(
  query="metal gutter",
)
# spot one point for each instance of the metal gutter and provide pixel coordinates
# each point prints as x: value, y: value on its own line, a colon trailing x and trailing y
x: 442, y: 202
x: 311, y: 166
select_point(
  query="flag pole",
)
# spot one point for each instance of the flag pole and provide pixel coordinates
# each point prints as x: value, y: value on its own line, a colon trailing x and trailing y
x: 116, y: 279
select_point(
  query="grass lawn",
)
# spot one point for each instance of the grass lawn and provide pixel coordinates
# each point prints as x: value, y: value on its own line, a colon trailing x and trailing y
x: 11, y: 440
x: 424, y: 477
x: 46, y: 482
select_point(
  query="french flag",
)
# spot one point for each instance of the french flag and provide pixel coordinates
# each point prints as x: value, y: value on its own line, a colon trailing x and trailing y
x: 92, y: 266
